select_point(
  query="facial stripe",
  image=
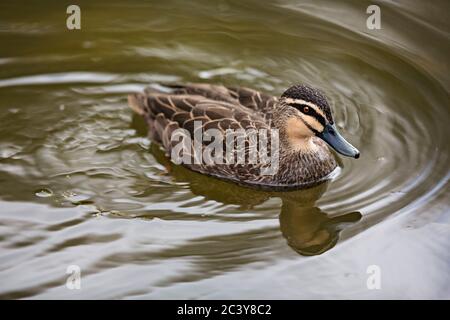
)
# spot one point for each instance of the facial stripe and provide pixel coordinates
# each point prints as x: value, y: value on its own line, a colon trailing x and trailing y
x: 309, y: 104
x: 309, y: 126
x: 313, y: 123
x: 311, y: 113
x: 313, y: 110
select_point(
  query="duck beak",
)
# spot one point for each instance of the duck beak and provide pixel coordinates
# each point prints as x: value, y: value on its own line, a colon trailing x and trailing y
x: 331, y: 136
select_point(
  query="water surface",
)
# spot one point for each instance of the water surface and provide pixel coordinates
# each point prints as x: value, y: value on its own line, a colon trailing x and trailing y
x: 80, y: 184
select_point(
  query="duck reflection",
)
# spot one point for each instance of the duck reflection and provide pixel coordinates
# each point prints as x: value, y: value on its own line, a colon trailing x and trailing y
x: 307, y: 229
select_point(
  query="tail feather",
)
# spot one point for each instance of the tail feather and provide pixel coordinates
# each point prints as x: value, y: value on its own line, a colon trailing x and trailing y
x: 137, y: 102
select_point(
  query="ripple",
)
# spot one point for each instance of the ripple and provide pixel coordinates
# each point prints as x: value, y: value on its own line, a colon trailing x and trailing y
x: 44, y: 193
x: 119, y: 209
x: 67, y: 77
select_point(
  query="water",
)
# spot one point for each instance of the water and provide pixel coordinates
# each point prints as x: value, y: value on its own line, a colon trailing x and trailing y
x: 80, y: 184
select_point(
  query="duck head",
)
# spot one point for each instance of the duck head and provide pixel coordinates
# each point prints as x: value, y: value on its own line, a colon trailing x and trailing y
x: 304, y: 113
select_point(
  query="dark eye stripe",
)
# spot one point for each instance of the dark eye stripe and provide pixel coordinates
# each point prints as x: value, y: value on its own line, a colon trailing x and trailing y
x: 311, y: 112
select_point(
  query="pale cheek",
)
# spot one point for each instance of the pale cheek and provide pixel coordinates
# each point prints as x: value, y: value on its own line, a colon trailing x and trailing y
x: 299, y: 135
x: 296, y: 129
x: 313, y: 123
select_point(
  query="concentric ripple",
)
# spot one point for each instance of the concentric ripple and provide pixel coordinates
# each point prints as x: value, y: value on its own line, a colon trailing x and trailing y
x: 81, y: 184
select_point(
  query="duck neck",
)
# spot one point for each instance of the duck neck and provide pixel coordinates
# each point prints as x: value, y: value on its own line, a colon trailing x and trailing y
x: 307, y: 161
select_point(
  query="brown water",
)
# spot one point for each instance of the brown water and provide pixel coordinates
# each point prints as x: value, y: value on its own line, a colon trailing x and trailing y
x: 80, y: 184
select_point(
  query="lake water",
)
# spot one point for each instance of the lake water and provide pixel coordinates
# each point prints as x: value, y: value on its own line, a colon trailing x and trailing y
x: 80, y: 184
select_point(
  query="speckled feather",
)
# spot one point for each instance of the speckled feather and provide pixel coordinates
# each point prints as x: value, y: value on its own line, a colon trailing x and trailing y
x: 222, y: 108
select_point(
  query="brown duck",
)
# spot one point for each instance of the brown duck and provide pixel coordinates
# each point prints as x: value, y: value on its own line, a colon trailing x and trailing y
x: 301, y: 116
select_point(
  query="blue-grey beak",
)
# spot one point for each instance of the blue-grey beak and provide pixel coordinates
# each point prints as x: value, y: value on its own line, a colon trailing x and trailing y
x: 331, y: 136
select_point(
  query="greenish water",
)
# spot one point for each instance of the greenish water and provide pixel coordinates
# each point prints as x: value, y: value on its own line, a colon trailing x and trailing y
x: 80, y: 184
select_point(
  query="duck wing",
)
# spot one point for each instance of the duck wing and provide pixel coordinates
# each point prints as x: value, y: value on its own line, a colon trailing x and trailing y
x: 255, y: 100
x: 166, y: 112
x: 249, y: 98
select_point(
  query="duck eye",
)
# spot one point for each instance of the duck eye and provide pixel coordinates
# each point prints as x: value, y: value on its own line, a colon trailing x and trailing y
x: 305, y: 109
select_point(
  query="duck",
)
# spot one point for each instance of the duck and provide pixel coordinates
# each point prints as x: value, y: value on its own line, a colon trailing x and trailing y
x: 301, y: 117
